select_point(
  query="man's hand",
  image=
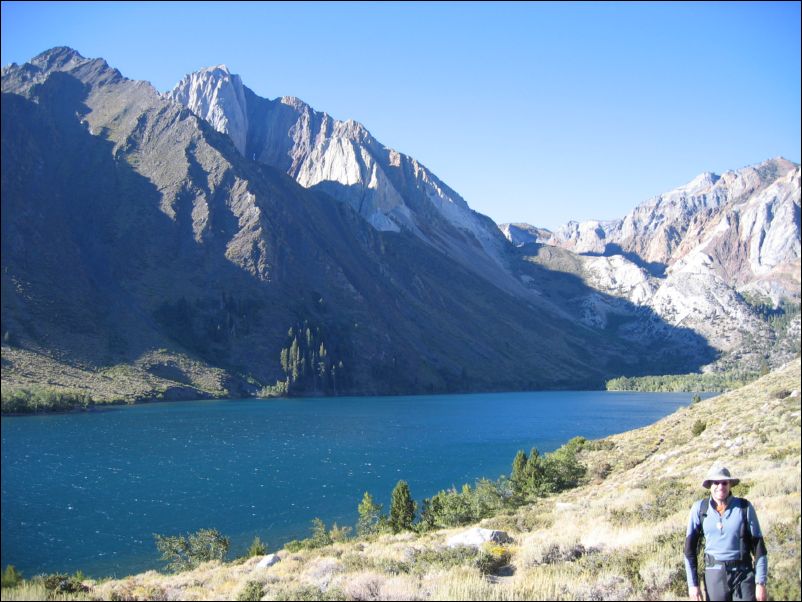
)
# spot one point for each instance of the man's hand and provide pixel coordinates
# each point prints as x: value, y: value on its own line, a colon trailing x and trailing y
x: 695, y: 592
x: 760, y: 592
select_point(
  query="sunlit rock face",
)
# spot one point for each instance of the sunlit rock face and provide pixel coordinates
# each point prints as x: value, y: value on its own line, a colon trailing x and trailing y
x: 389, y: 189
x: 216, y: 95
x: 703, y: 256
x: 745, y: 224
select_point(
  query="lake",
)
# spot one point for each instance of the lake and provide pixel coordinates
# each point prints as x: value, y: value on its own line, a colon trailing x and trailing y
x: 88, y: 490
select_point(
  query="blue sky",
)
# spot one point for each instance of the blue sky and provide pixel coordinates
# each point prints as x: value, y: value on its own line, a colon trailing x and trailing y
x: 537, y: 113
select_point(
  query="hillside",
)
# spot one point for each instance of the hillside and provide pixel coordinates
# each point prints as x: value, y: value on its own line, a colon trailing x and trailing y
x: 618, y: 536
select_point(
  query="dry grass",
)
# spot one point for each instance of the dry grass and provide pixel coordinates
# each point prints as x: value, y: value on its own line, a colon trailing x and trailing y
x: 617, y: 538
x: 157, y: 374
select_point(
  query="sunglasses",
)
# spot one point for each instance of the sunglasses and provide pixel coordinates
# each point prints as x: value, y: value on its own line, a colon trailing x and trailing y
x: 719, y: 482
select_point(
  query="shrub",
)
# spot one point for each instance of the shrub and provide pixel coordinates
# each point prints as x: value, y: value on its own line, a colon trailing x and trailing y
x: 698, y: 428
x: 422, y: 561
x: 184, y: 553
x: 11, y: 576
x: 310, y: 592
x: 446, y: 509
x: 339, y: 534
x: 320, y: 537
x: 61, y: 583
x: 452, y: 508
x: 492, y: 557
x: 39, y: 399
x: 253, y: 590
x: 257, y: 548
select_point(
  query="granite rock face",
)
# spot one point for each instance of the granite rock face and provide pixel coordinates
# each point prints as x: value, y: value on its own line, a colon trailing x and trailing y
x: 746, y: 222
x: 217, y: 95
x: 705, y: 256
x: 389, y: 189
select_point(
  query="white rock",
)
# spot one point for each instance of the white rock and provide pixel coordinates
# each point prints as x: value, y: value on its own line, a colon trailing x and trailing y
x: 268, y: 560
x: 476, y: 537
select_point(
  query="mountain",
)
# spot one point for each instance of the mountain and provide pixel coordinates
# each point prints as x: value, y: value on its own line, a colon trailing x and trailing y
x: 719, y: 255
x: 392, y: 191
x: 145, y: 256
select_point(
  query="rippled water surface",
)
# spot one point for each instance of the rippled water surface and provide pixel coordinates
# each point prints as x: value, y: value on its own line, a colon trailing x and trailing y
x: 88, y: 491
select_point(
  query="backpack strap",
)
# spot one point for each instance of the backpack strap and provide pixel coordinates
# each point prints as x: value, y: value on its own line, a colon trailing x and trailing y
x: 703, y: 508
x: 745, y: 534
x: 692, y: 542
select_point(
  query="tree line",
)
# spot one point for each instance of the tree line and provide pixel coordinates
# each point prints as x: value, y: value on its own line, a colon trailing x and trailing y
x: 308, y: 365
x: 676, y: 383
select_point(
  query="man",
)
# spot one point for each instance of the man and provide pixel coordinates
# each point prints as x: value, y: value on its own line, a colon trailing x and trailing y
x: 732, y: 536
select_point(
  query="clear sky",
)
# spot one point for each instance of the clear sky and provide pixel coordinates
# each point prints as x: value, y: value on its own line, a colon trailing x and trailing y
x: 535, y: 113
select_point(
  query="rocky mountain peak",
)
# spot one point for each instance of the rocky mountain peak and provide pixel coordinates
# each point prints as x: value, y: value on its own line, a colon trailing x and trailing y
x: 391, y: 191
x: 57, y: 59
x: 218, y: 96
x: 18, y: 79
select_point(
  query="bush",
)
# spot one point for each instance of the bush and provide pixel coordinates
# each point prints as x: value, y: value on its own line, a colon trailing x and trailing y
x: 423, y: 561
x: 452, y: 508
x: 257, y: 548
x: 253, y: 590
x: 43, y: 399
x: 320, y: 537
x: 61, y: 583
x: 492, y: 558
x: 339, y: 534
x: 11, y: 576
x: 698, y: 428
x: 184, y: 553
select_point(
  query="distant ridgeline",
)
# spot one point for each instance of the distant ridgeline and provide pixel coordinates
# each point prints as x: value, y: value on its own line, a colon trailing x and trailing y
x: 671, y: 383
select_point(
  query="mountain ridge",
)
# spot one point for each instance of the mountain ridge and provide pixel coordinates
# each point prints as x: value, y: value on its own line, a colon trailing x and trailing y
x: 188, y: 264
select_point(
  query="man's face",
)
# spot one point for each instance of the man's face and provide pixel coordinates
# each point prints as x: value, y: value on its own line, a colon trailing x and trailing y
x: 720, y: 490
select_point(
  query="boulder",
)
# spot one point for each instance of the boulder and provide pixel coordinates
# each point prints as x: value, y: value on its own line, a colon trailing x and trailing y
x: 476, y: 537
x: 268, y: 560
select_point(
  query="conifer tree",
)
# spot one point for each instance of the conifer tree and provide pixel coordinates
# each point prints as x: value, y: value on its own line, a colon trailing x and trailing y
x: 369, y: 516
x: 295, y: 360
x: 518, y: 476
x: 533, y: 472
x: 402, y: 508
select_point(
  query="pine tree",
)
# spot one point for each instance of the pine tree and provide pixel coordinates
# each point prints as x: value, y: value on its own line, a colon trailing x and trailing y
x: 369, y: 516
x: 518, y: 476
x: 533, y: 473
x: 258, y: 548
x: 295, y: 360
x: 402, y: 508
x: 285, y: 360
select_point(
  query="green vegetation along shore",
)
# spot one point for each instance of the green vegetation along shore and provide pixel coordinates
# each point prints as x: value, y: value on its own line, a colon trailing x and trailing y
x: 599, y: 520
x: 673, y: 383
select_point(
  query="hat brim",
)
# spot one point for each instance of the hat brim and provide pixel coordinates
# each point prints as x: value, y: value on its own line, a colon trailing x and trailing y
x: 706, y: 483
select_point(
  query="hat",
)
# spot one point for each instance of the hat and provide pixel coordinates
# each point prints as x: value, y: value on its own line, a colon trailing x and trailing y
x: 719, y: 473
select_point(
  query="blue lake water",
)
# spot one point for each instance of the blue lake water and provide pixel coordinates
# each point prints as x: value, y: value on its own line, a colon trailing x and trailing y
x: 88, y: 491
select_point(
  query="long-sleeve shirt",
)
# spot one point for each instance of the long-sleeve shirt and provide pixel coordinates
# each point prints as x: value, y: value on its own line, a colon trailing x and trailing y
x: 724, y: 543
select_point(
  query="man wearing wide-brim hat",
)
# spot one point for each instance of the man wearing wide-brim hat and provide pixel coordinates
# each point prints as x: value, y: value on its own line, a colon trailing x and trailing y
x: 732, y: 540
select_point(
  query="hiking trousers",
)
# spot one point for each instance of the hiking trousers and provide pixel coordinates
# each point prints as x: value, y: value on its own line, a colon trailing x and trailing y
x: 730, y: 582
